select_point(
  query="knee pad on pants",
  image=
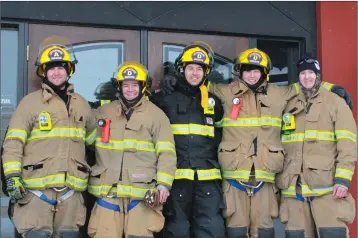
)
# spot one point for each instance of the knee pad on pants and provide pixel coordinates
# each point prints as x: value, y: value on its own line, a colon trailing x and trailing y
x: 236, y: 232
x: 295, y: 234
x: 69, y: 234
x: 37, y: 234
x: 266, y: 232
x: 177, y: 229
x: 332, y: 232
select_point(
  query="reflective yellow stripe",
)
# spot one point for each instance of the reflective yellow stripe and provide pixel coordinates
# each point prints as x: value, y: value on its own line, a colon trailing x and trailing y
x: 236, y: 174
x: 309, y: 134
x: 104, y: 101
x: 306, y: 191
x: 327, y: 86
x: 345, y: 134
x: 56, y: 180
x: 126, y: 144
x: 57, y: 132
x: 209, y: 174
x: 344, y: 173
x: 250, y: 122
x: 195, y: 129
x: 12, y: 167
x: 184, y: 174
x: 120, y: 190
x: 164, y: 146
x: 165, y: 178
x: 262, y: 174
x: 91, y: 137
x: 297, y: 89
x: 17, y: 134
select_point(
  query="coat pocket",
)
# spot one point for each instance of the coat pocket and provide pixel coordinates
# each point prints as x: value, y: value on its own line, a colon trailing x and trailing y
x: 230, y: 156
x: 283, y: 179
x: 272, y: 157
x: 318, y: 172
x: 79, y: 123
x: 346, y: 209
x: 78, y: 174
x: 156, y: 223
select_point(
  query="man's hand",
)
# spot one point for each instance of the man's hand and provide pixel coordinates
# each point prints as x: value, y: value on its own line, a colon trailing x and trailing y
x: 339, y: 191
x: 15, y: 188
x: 163, y: 193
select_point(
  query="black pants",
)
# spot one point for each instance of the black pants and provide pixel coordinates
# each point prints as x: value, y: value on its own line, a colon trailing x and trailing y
x: 194, y: 210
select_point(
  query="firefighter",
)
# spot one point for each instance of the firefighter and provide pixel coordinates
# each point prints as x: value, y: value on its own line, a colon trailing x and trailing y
x: 43, y: 159
x: 135, y: 161
x: 195, y: 205
x: 319, y: 137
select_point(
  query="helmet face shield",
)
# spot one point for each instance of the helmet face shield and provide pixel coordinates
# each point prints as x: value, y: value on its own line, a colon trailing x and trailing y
x: 55, y: 49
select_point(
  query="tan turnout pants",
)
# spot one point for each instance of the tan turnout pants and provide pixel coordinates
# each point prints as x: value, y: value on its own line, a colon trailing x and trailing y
x: 250, y: 216
x: 34, y: 214
x: 138, y: 222
x: 325, y: 216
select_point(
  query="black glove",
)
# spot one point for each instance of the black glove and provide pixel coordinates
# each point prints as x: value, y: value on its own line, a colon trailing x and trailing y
x: 340, y: 91
x: 216, y: 77
x: 168, y: 83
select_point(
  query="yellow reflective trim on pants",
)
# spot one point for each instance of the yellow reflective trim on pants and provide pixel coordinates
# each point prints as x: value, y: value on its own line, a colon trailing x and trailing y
x: 56, y: 180
x: 165, y: 178
x: 345, y: 134
x: 12, y: 167
x: 184, y: 174
x: 344, y: 173
x: 91, y: 137
x: 236, y: 174
x: 126, y: 144
x: 164, y: 146
x: 57, y: 132
x: 17, y: 134
x: 251, y: 122
x: 192, y: 129
x: 209, y: 174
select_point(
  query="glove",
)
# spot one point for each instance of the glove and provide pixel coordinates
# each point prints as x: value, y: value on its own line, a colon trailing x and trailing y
x: 15, y: 188
x: 216, y: 77
x: 151, y: 199
x: 168, y: 83
x: 340, y: 91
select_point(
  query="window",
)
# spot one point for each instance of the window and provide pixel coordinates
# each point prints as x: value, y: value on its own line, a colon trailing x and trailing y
x: 284, y: 55
x: 222, y: 64
x: 97, y: 64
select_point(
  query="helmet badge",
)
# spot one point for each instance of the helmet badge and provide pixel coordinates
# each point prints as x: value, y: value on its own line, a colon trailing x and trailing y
x: 56, y: 54
x: 254, y: 57
x: 129, y: 73
x: 198, y: 56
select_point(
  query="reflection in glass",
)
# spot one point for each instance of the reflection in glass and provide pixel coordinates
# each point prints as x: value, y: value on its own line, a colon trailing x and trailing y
x: 96, y: 64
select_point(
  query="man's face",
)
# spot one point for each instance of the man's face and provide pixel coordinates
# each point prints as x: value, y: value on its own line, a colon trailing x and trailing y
x: 57, y: 75
x: 130, y: 89
x: 194, y: 74
x: 307, y: 78
x: 251, y: 77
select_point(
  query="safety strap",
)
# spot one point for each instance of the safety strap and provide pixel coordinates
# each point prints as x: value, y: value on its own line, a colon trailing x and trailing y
x: 53, y: 202
x: 299, y: 197
x: 115, y: 207
x: 241, y: 187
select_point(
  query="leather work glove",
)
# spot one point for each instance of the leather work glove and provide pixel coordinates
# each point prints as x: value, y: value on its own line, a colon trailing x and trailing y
x: 340, y: 91
x: 153, y: 199
x: 15, y: 188
x: 168, y: 83
x: 216, y: 77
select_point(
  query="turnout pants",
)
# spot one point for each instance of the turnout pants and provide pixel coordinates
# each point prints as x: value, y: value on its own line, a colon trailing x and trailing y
x: 250, y: 215
x: 194, y: 210
x: 36, y: 218
x: 115, y: 217
x: 322, y: 217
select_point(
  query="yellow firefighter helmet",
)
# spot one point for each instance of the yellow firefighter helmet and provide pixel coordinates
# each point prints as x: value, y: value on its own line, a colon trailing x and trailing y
x: 253, y: 56
x: 55, y: 49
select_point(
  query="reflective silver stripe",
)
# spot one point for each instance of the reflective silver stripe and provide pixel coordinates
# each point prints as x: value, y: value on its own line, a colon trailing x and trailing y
x: 91, y: 137
x: 320, y: 135
x: 184, y: 174
x: 16, y: 134
x: 165, y: 178
x: 251, y: 122
x: 345, y: 134
x: 209, y: 174
x: 125, y: 144
x: 57, y: 132
x: 164, y: 146
x: 196, y: 129
x: 294, y: 137
x: 236, y: 174
x: 327, y: 86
